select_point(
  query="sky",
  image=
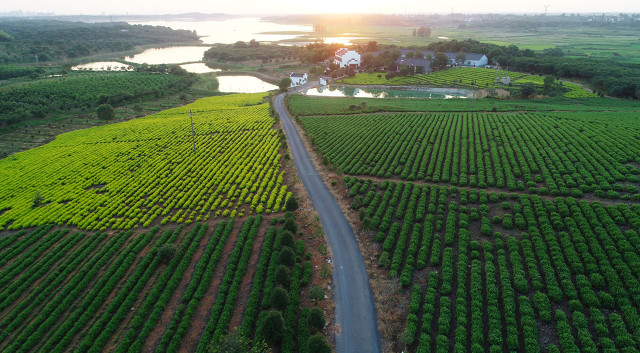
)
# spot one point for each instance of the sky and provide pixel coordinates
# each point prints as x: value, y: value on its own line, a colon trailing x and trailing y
x: 275, y: 7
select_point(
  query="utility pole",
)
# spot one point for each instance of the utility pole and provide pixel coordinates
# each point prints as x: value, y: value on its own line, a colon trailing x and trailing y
x: 544, y: 18
x: 193, y: 132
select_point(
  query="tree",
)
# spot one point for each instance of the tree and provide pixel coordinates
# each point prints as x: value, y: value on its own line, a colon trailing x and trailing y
x: 284, y: 84
x: 166, y: 252
x: 291, y: 204
x: 290, y: 225
x: 37, y: 201
x: 316, y: 294
x: 287, y: 257
x: 273, y: 327
x: 527, y: 89
x: 105, y: 112
x: 286, y: 239
x: 235, y: 342
x: 461, y: 57
x: 282, y: 275
x: 439, y: 62
x: 317, y: 344
x: 315, y: 320
x: 279, y: 298
x: 372, y: 45
x: 549, y: 80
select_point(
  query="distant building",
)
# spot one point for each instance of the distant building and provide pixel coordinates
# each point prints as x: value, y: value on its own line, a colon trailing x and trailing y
x: 347, y: 58
x: 471, y: 59
x: 298, y: 79
x: 416, y: 65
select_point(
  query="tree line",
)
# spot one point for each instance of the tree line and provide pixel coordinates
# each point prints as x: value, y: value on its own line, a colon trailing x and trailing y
x: 32, y: 41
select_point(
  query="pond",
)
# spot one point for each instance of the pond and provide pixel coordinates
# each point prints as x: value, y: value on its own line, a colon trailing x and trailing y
x: 104, y: 66
x: 387, y: 92
x: 198, y: 68
x: 243, y: 84
x: 170, y: 55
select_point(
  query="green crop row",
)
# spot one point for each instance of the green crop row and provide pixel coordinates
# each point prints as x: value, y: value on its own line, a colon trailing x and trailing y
x: 517, y: 152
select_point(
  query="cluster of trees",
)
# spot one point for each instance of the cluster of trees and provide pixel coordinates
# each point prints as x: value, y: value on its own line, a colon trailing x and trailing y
x: 40, y: 40
x: 614, y: 78
x: 423, y: 31
x: 41, y: 98
x: 242, y: 51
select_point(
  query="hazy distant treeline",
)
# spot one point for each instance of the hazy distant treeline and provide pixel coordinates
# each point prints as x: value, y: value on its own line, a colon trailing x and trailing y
x: 30, y: 41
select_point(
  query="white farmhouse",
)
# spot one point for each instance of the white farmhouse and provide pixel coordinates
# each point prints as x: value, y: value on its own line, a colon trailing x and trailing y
x: 471, y: 59
x: 298, y: 79
x: 347, y: 58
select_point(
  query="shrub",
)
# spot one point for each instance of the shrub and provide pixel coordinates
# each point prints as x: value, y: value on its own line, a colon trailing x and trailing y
x: 279, y: 298
x: 273, y: 327
x: 291, y: 204
x: 287, y: 257
x: 166, y: 252
x: 317, y: 344
x: 315, y: 319
x: 105, y: 112
x: 282, y: 275
x: 316, y: 294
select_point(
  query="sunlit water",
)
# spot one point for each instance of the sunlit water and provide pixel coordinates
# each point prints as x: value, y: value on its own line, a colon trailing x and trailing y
x: 104, y: 66
x: 366, y: 92
x: 243, y: 84
x: 171, y: 55
x: 233, y: 30
x: 198, y: 68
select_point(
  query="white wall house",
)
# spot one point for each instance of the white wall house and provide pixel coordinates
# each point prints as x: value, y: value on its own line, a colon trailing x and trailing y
x: 471, y: 59
x: 347, y: 58
x: 298, y: 79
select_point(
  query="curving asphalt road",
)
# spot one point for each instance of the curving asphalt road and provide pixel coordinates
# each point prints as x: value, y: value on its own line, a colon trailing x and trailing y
x: 355, y: 309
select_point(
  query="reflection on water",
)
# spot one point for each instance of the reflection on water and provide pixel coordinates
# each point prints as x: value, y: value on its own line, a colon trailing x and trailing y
x: 171, y: 55
x: 243, y: 84
x: 198, y: 68
x: 337, y: 40
x: 352, y: 91
x: 233, y: 30
x: 104, y: 66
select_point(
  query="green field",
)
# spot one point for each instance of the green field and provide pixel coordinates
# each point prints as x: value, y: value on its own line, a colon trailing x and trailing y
x: 131, y: 174
x: 186, y: 246
x: 455, y: 77
x: 510, y: 231
x: 82, y: 91
x: 621, y: 110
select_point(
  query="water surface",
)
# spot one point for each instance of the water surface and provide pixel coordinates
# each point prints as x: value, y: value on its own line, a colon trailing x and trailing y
x: 104, y: 66
x: 367, y: 92
x: 232, y: 30
x: 243, y: 84
x: 170, y: 55
x: 198, y: 68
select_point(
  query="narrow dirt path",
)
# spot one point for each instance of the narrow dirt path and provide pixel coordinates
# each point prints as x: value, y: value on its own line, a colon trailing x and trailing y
x: 355, y: 310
